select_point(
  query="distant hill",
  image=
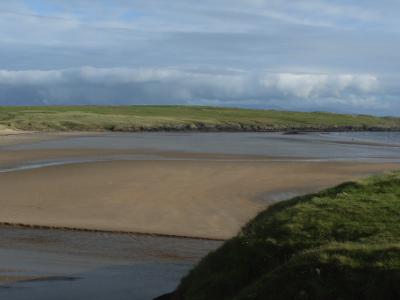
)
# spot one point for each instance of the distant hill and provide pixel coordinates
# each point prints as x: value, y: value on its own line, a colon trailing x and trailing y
x: 342, y: 243
x: 182, y: 118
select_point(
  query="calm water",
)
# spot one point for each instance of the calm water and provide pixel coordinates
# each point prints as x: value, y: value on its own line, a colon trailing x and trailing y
x: 85, y: 265
x: 357, y: 145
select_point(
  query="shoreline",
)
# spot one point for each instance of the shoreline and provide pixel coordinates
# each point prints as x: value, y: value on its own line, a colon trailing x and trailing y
x: 202, y: 129
x: 122, y: 232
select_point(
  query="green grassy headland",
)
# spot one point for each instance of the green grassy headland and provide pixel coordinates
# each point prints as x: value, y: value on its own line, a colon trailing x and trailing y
x: 341, y: 243
x: 182, y: 118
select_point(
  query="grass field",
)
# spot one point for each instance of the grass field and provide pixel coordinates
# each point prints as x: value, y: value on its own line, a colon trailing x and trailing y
x: 342, y: 243
x: 180, y: 118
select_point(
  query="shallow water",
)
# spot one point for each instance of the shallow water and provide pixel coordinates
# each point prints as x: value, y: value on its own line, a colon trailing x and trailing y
x: 232, y: 143
x: 138, y: 282
x: 376, y: 136
x: 330, y: 146
x: 93, y: 265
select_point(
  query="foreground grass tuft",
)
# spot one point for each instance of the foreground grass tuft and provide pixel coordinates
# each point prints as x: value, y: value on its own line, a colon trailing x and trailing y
x: 182, y: 118
x: 342, y: 243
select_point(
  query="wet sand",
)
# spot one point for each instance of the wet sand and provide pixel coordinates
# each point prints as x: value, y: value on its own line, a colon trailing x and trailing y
x: 208, y: 199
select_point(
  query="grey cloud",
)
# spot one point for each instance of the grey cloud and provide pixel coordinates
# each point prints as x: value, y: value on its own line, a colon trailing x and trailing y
x: 88, y: 85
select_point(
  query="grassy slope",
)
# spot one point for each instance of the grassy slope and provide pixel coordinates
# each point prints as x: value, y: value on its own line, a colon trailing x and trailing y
x: 136, y: 118
x: 342, y: 243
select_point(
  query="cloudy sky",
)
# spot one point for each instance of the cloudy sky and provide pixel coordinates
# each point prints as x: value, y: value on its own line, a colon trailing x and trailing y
x: 331, y: 55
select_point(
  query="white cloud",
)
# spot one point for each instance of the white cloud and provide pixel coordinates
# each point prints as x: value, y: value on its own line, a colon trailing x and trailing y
x: 124, y: 75
x: 176, y: 85
x: 30, y: 77
x: 321, y: 85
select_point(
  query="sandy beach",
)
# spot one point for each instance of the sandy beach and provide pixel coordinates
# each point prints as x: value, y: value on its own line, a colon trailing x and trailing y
x: 210, y: 199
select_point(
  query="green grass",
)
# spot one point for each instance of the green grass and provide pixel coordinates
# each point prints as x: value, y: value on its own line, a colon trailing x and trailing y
x: 341, y: 243
x: 176, y: 118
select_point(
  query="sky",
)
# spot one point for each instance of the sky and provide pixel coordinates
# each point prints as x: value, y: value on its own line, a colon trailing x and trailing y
x: 307, y: 55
